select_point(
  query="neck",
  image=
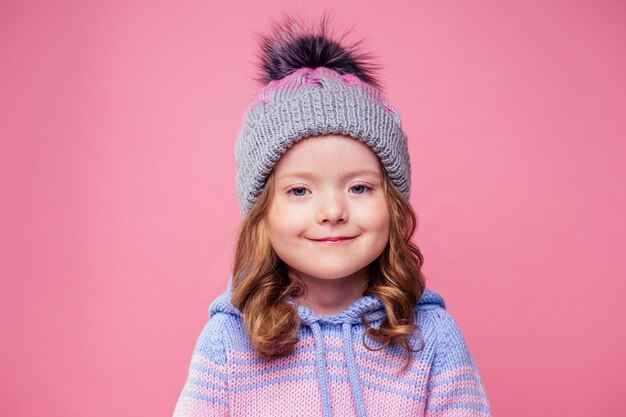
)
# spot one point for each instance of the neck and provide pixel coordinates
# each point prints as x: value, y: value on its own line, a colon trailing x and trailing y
x: 327, y: 297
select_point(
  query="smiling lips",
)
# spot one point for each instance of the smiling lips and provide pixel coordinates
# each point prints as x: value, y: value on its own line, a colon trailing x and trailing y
x: 336, y: 239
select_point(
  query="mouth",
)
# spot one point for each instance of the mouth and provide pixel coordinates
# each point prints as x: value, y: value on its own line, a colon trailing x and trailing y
x: 334, y: 240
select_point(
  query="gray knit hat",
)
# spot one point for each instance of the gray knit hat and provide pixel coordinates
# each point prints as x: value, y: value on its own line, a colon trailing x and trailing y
x: 317, y: 101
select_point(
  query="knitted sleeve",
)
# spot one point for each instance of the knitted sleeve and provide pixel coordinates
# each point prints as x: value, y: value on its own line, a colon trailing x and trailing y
x: 205, y: 391
x: 455, y: 388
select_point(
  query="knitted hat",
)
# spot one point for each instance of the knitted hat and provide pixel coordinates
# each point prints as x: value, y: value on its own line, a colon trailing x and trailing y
x: 314, y: 86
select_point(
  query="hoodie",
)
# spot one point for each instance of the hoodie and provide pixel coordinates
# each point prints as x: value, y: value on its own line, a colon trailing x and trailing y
x: 330, y: 372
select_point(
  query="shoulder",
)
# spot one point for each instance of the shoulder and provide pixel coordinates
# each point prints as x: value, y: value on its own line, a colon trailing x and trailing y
x: 443, y: 338
x: 437, y: 324
x: 451, y: 366
x: 211, y: 341
x: 220, y: 332
x: 230, y: 329
x: 431, y: 312
x: 436, y: 318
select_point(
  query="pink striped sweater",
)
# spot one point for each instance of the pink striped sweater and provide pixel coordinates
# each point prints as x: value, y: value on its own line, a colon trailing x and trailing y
x: 331, y: 373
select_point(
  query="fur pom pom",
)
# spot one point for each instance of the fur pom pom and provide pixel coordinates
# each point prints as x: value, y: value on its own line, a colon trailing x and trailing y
x: 293, y: 44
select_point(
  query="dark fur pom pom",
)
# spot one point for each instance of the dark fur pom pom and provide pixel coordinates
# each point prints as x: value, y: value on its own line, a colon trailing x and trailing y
x: 292, y: 45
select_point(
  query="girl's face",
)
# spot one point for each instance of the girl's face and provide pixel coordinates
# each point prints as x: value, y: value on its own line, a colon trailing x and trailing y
x: 328, y: 187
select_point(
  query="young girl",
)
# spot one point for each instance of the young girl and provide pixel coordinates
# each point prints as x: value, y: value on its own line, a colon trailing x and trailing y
x: 326, y: 313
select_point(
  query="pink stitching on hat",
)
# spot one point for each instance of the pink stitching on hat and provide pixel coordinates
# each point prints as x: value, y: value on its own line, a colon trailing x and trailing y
x: 312, y: 76
x: 350, y: 79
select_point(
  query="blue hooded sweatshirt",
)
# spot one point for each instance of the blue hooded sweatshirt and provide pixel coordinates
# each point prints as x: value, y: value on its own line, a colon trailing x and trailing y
x: 331, y: 372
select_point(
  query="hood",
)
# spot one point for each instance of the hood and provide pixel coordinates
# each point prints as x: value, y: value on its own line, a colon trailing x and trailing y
x: 373, y: 309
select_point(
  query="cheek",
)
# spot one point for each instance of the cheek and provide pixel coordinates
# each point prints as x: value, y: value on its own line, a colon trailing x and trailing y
x: 289, y: 215
x: 274, y: 226
x: 286, y: 240
x: 381, y: 227
x: 283, y: 225
x: 376, y: 217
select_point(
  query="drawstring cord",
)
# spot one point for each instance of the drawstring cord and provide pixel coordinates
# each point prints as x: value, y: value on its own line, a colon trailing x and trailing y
x: 354, y: 377
x: 320, y: 365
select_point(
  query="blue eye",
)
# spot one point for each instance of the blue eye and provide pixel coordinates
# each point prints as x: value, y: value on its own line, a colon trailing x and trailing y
x: 362, y: 187
x: 296, y: 191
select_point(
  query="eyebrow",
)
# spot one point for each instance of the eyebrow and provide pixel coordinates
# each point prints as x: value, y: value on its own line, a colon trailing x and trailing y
x: 311, y: 175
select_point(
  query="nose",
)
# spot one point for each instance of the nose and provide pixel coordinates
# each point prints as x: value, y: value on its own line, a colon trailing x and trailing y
x: 332, y: 208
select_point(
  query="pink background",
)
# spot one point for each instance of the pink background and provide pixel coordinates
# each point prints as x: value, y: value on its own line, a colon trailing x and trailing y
x: 118, y: 203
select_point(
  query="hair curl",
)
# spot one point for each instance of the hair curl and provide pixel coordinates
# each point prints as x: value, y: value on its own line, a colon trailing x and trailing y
x: 261, y: 283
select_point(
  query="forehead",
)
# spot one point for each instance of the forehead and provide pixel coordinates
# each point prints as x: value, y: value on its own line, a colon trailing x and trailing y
x: 328, y: 154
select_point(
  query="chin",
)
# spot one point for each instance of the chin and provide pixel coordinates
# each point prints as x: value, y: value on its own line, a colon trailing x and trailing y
x: 330, y: 273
